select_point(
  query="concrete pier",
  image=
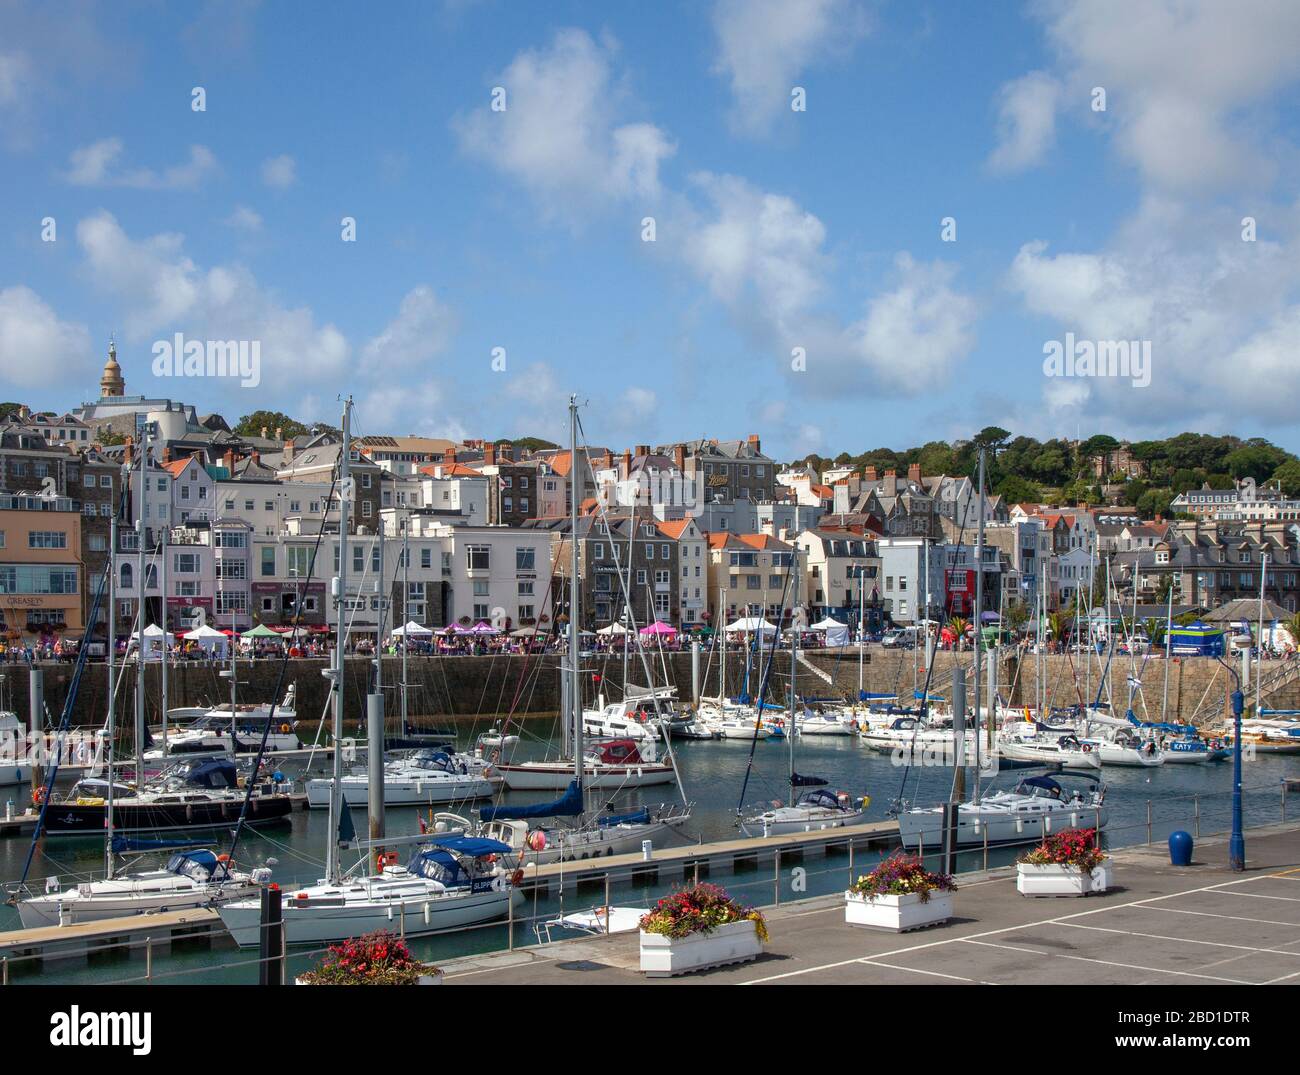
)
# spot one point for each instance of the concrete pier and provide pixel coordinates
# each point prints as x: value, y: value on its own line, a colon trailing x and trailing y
x: 1159, y: 925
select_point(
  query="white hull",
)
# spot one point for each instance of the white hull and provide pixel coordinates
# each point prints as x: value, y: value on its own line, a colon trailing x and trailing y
x: 594, y: 843
x: 1132, y: 757
x: 1049, y: 753
x: 400, y: 792
x: 925, y: 827
x: 785, y: 820
x: 824, y: 727
x: 68, y: 908
x: 412, y: 914
x: 556, y: 777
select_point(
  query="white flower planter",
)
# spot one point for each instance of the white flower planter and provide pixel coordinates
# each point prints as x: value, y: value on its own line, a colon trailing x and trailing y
x: 1053, y: 880
x: 435, y: 978
x: 897, y: 914
x: 663, y: 957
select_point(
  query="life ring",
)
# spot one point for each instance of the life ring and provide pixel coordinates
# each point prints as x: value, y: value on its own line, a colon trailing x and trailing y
x: 1087, y: 748
x: 285, y: 729
x: 38, y: 795
x: 386, y: 858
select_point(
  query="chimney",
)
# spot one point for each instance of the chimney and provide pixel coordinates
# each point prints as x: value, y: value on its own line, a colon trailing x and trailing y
x: 279, y: 432
x: 228, y: 460
x: 643, y: 449
x: 914, y: 472
x: 507, y: 452
x: 167, y: 455
x: 24, y: 411
x: 679, y: 457
x: 257, y: 457
x: 871, y: 474
x: 128, y: 453
x: 449, y: 457
x: 754, y: 444
x: 288, y: 450
x: 890, y: 474
x: 490, y: 455
x: 265, y: 433
x: 627, y: 462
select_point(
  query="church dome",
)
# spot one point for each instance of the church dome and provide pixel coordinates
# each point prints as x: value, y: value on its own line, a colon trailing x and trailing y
x: 112, y: 382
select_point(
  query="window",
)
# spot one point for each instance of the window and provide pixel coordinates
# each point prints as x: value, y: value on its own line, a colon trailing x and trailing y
x: 298, y: 560
x: 187, y: 588
x: 268, y: 561
x: 598, y: 551
x: 507, y: 504
x: 367, y: 509
x: 479, y: 557
x: 480, y: 587
x: 35, y: 579
x: 523, y: 504
x: 649, y: 552
x: 185, y: 563
x: 47, y: 539
x: 663, y: 551
x: 231, y: 539
x: 88, y: 481
x: 526, y: 612
x: 232, y: 569
x: 426, y: 558
x: 106, y: 481
x: 640, y: 576
x: 525, y: 559
x: 525, y: 587
x: 481, y: 612
x: 231, y: 601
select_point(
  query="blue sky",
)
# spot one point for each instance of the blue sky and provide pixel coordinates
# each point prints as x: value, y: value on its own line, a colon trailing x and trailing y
x: 775, y: 229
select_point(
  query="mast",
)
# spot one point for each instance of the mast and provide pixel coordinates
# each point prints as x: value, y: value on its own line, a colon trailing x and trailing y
x: 142, y: 619
x: 1169, y: 624
x: 862, y: 626
x: 722, y: 672
x: 575, y: 683
x: 794, y: 656
x: 979, y: 601
x: 162, y: 613
x: 112, y: 703
x: 406, y: 607
x: 1263, y: 575
x: 340, y: 598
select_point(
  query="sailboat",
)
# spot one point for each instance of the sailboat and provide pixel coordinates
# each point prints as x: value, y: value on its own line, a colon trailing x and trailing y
x: 450, y: 880
x: 819, y: 807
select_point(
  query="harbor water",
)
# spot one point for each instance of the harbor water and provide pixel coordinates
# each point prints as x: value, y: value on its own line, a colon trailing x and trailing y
x: 1143, y: 805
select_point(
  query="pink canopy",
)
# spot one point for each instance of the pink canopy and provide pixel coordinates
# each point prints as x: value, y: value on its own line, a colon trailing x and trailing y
x: 659, y: 628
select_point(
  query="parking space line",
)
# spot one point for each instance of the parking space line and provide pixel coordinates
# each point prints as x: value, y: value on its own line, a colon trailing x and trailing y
x: 1181, y: 940
x: 1231, y: 917
x: 1265, y: 896
x: 930, y: 973
x: 1109, y: 963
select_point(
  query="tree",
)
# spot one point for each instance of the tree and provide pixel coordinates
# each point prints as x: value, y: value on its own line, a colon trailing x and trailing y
x: 991, y: 438
x: 8, y: 410
x: 1288, y: 476
x: 527, y: 444
x: 1017, y: 490
x: 1015, y: 614
x: 251, y: 425
x: 1154, y: 502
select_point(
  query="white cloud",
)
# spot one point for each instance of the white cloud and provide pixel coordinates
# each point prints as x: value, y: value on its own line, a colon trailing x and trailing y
x: 757, y: 248
x: 162, y: 290
x: 1187, y: 126
x: 913, y: 334
x: 421, y: 330
x: 37, y: 349
x: 559, y: 136
x: 15, y: 74
x: 97, y: 165
x: 280, y: 173
x: 764, y: 46
x: 639, y: 402
x: 244, y: 219
x: 1026, y: 122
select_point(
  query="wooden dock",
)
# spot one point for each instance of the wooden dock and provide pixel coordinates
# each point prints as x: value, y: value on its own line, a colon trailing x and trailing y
x: 728, y: 854
x: 151, y: 932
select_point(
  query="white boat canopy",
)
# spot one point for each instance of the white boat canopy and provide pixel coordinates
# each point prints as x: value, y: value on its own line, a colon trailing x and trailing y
x: 837, y: 634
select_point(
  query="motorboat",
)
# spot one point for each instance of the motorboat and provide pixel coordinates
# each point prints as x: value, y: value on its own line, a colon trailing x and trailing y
x: 596, y: 922
x: 625, y: 720
x: 814, y: 810
x: 424, y: 778
x: 199, y: 793
x: 193, y: 878
x: 825, y: 723
x: 449, y: 881
x: 496, y: 738
x: 1036, y: 807
x: 14, y: 766
x: 1268, y: 736
x: 1046, y: 746
x: 1123, y: 747
x: 218, y: 732
x: 615, y: 763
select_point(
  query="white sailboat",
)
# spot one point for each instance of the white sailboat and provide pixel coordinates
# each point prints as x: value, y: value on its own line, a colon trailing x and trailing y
x: 425, y: 777
x: 449, y: 881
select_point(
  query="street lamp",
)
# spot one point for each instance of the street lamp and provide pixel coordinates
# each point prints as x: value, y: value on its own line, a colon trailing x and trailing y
x: 1237, y: 841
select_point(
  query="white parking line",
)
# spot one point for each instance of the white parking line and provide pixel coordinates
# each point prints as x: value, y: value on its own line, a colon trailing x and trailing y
x: 1109, y: 963
x: 1229, y: 917
x: 1181, y: 940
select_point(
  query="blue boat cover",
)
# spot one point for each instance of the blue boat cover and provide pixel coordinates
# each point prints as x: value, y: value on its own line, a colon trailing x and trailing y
x: 821, y: 797
x: 807, y: 781
x: 473, y: 846
x: 867, y: 696
x: 640, y: 817
x: 568, y: 805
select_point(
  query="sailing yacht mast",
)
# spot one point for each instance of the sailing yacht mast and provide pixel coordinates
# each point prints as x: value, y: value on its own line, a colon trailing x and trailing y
x: 1263, y: 575
x: 575, y: 682
x: 162, y: 615
x: 406, y: 608
x: 332, y: 863
x: 112, y: 693
x: 142, y: 510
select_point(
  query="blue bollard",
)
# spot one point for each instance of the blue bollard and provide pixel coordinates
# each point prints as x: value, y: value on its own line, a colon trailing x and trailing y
x: 1180, y: 848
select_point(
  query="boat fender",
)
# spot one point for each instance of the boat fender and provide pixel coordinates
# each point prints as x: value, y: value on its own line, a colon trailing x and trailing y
x: 495, y: 756
x: 38, y: 795
x: 517, y: 877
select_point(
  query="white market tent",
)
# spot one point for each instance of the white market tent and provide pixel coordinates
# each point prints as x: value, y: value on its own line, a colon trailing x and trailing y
x: 414, y: 629
x: 613, y: 629
x: 210, y: 640
x: 750, y: 625
x: 837, y: 634
x: 153, y: 641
